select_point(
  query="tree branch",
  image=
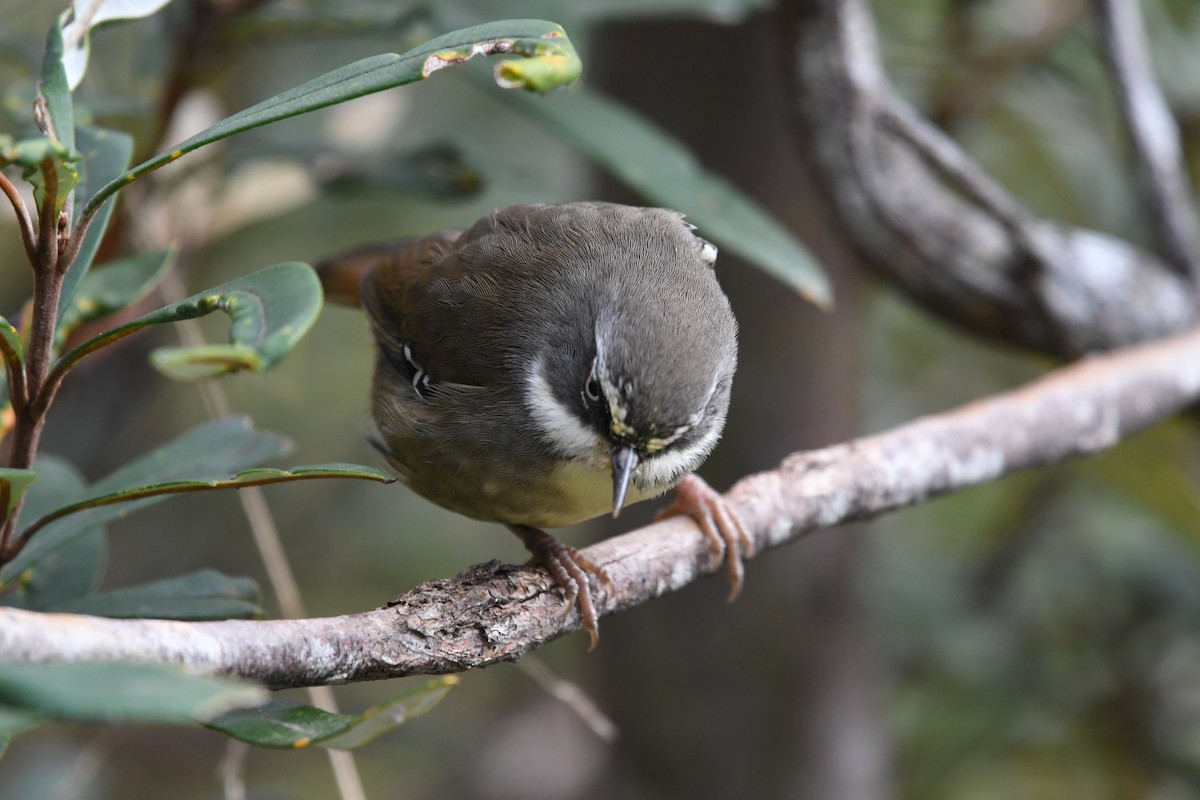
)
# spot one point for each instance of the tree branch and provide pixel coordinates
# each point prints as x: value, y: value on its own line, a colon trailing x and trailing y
x: 926, y: 217
x: 493, y: 613
x: 1168, y: 203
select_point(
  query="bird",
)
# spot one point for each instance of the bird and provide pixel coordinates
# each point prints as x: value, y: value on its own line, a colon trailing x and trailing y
x: 549, y: 364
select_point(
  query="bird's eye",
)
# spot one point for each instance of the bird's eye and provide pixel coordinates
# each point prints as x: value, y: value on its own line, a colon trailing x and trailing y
x: 591, y: 388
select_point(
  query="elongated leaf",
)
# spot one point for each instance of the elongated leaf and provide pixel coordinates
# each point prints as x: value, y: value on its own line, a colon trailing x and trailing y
x: 663, y: 170
x: 113, y: 287
x: 122, y: 693
x: 546, y: 59
x: 209, y: 451
x: 203, y: 595
x: 271, y: 309
x: 54, y: 90
x: 254, y: 477
x: 106, y: 155
x: 283, y: 723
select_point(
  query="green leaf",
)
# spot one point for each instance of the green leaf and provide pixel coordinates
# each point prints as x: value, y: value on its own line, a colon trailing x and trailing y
x: 32, y: 154
x: 106, y: 155
x: 13, y: 484
x: 203, y: 595
x: 662, y: 169
x: 254, y: 477
x: 546, y: 60
x: 55, y: 92
x: 114, y: 286
x: 211, y: 450
x: 283, y: 723
x: 271, y: 309
x: 13, y: 351
x: 64, y: 572
x: 10, y: 344
x: 62, y: 575
x: 122, y: 693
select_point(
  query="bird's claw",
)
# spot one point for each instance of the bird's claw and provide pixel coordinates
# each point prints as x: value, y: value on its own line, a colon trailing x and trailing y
x: 570, y: 570
x: 728, y: 539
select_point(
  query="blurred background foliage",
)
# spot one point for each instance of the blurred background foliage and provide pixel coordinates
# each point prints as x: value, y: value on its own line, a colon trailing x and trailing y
x: 1036, y: 638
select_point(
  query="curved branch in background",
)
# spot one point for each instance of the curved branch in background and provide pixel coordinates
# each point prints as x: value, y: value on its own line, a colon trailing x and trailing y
x: 925, y: 216
x: 1168, y: 205
x: 493, y: 613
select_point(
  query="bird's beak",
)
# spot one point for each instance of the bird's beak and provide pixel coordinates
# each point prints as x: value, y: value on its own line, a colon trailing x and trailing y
x: 624, y: 462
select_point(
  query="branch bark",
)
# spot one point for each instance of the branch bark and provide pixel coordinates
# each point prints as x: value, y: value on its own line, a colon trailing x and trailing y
x: 924, y: 215
x: 493, y: 612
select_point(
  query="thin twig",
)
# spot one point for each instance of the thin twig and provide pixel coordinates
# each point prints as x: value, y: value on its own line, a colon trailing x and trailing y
x: 493, y: 613
x: 1167, y: 198
x: 24, y: 222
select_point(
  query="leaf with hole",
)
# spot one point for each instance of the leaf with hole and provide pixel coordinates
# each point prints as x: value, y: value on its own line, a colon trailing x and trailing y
x: 286, y: 724
x: 661, y: 168
x: 545, y: 59
x: 270, y: 309
x: 202, y: 595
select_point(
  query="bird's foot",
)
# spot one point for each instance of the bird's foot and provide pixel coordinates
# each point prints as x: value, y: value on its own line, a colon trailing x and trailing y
x: 728, y: 540
x: 570, y: 570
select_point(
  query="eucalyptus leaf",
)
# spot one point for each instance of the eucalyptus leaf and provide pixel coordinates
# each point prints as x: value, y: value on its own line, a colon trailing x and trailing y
x: 211, y: 450
x: 286, y: 724
x: 86, y: 692
x: 105, y: 155
x: 545, y: 59
x: 114, y: 286
x: 662, y: 169
x: 203, y: 595
x: 271, y: 309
